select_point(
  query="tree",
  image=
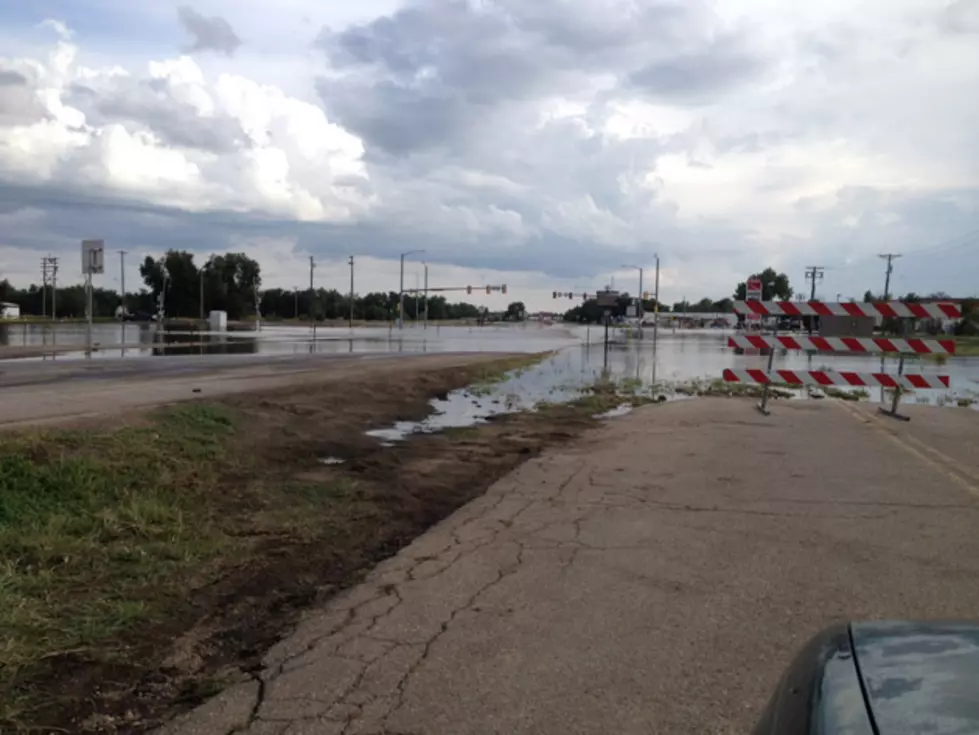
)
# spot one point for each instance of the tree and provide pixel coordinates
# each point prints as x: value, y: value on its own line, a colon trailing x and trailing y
x: 774, y: 286
x: 515, y: 312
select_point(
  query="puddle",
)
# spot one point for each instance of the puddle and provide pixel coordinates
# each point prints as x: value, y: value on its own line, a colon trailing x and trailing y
x: 620, y: 410
x: 332, y: 461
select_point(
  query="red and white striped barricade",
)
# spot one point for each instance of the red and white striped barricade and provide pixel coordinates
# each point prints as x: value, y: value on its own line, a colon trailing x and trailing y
x: 860, y: 345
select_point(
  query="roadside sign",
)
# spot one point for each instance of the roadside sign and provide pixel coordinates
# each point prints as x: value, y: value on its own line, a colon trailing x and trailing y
x: 754, y: 293
x: 630, y: 311
x: 93, y: 256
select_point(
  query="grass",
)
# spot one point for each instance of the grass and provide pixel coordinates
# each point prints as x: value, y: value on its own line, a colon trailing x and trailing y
x: 845, y: 394
x: 96, y: 528
x: 115, y: 541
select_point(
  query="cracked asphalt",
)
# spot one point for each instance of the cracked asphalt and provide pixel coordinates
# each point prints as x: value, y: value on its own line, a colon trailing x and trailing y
x: 653, y: 577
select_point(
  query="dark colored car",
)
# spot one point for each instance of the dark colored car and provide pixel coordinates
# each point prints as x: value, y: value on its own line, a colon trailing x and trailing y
x: 881, y: 678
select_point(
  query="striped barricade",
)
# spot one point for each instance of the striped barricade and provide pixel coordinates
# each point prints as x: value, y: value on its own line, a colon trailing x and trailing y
x: 844, y: 344
x: 866, y: 345
x: 893, y: 309
x: 908, y: 381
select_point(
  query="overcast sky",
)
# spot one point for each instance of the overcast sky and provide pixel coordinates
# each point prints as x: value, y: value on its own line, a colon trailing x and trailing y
x: 541, y: 143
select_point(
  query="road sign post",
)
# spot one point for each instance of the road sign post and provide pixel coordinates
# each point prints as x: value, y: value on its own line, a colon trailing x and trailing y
x: 93, y: 262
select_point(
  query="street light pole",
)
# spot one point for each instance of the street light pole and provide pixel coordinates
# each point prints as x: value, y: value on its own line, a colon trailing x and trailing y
x: 351, y: 292
x: 656, y: 310
x: 401, y: 293
x: 122, y: 279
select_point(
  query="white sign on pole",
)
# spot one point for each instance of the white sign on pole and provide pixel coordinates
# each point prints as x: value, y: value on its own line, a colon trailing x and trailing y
x: 630, y: 311
x: 93, y: 256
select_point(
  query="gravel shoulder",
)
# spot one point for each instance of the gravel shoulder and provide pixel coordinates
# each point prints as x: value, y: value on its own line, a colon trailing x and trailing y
x: 652, y: 575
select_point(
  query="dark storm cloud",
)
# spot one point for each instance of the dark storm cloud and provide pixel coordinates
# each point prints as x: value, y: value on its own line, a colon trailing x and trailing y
x: 209, y: 34
x: 444, y: 70
x: 18, y: 102
x: 147, y: 103
x: 702, y: 75
x: 10, y: 78
x: 961, y: 16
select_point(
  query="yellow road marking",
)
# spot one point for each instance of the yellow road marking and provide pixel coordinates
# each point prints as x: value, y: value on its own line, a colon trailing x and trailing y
x: 945, y: 466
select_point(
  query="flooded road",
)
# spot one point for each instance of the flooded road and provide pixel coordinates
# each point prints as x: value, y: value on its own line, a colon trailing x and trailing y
x: 685, y: 359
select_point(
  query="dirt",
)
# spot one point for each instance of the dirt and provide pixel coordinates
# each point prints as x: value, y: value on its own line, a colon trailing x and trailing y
x: 219, y: 633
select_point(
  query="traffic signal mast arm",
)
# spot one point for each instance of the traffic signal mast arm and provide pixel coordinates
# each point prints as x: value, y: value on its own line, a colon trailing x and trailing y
x: 468, y: 289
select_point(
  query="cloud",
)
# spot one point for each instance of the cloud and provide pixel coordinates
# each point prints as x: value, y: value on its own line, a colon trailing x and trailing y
x: 209, y: 34
x: 554, y: 139
x: 700, y: 75
x: 961, y: 17
x: 172, y: 137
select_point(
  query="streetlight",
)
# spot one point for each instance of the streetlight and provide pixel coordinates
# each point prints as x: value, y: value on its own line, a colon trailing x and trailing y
x: 401, y: 294
x: 639, y: 310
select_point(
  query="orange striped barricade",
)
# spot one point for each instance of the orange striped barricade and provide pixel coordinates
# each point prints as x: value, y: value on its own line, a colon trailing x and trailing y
x: 861, y: 345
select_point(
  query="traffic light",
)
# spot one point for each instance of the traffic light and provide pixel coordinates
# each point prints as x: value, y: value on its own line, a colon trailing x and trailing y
x: 555, y: 294
x: 570, y: 295
x: 489, y: 289
x: 469, y: 289
x: 504, y: 289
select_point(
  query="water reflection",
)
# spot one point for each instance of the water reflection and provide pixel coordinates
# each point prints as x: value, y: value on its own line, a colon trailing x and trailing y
x: 677, y: 357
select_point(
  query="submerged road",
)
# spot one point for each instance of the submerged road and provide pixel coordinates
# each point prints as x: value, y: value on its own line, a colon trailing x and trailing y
x: 654, y: 576
x: 51, y: 391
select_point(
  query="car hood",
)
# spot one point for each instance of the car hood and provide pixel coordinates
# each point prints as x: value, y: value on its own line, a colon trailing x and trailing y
x: 919, y: 677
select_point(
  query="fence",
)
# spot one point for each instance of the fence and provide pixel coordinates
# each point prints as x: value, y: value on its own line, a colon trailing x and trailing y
x: 898, y: 382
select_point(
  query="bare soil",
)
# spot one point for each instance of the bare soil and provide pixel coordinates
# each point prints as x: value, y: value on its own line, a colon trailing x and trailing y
x: 350, y: 517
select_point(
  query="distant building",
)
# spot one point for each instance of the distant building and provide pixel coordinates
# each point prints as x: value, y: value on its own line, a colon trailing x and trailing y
x: 846, y: 326
x: 9, y: 310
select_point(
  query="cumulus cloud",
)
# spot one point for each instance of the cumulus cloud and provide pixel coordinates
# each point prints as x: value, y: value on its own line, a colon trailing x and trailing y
x: 170, y: 136
x: 209, y: 34
x: 558, y: 137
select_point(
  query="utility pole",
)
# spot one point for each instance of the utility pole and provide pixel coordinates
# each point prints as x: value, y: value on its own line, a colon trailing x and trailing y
x: 44, y: 285
x: 426, y: 296
x: 122, y: 279
x: 813, y: 273
x: 54, y: 287
x: 889, y: 257
x: 295, y: 293
x: 351, y: 292
x: 312, y: 265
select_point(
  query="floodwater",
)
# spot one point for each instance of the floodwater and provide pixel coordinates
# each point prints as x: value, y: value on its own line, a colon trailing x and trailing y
x: 675, y: 358
x: 679, y: 365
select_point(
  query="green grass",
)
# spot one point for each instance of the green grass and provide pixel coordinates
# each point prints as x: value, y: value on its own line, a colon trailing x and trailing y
x: 845, y: 395
x: 96, y: 530
x: 967, y: 346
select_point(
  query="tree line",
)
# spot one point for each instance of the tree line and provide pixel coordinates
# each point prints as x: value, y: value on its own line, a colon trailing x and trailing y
x: 230, y: 282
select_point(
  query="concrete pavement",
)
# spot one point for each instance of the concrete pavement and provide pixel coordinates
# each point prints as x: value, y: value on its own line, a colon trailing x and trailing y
x: 656, y: 576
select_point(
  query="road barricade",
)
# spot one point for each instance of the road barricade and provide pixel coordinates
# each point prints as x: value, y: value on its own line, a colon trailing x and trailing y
x: 901, y: 381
